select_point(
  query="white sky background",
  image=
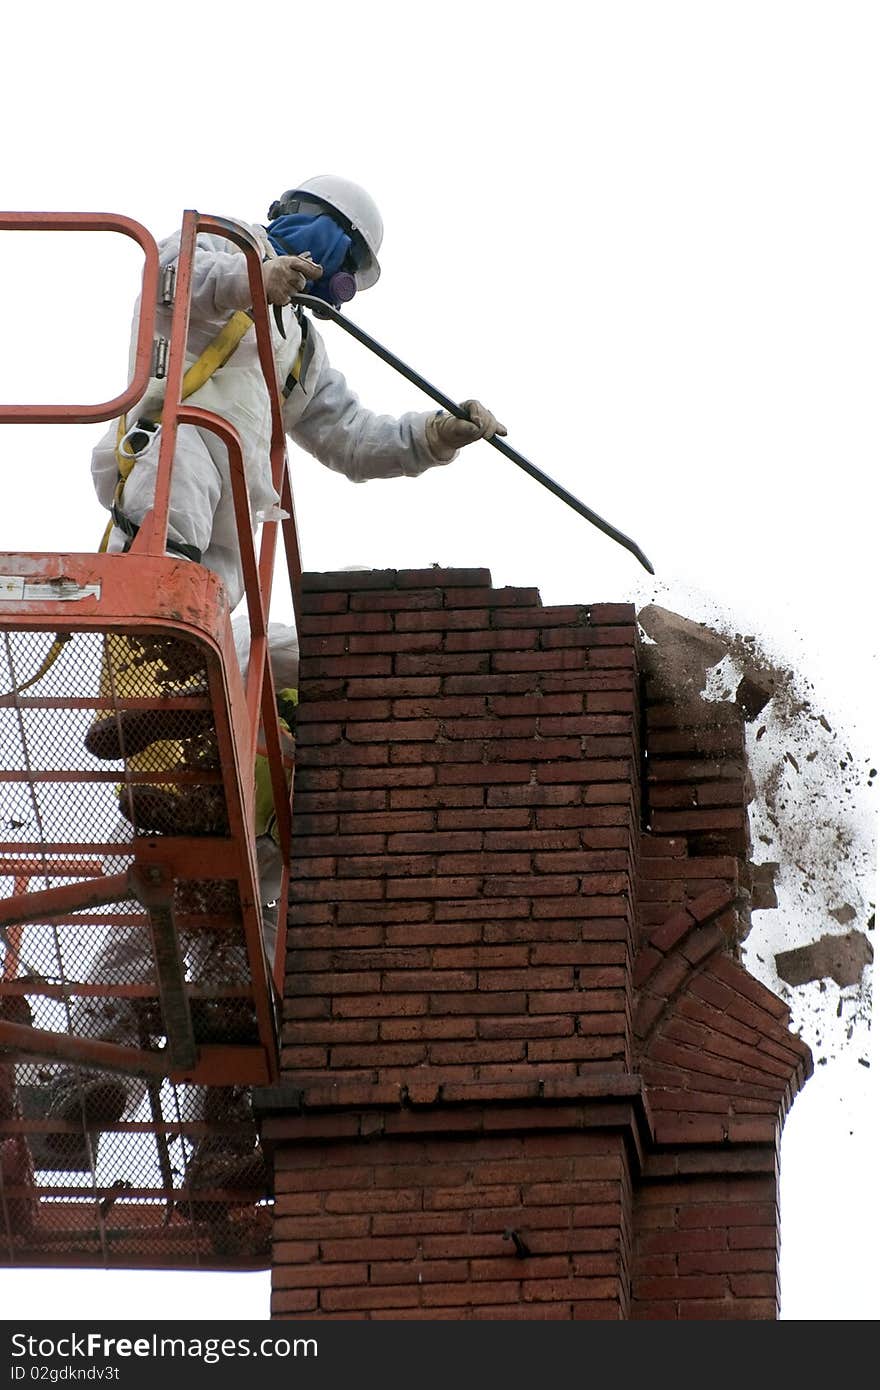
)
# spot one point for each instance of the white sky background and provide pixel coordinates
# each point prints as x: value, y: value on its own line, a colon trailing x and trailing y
x: 644, y: 233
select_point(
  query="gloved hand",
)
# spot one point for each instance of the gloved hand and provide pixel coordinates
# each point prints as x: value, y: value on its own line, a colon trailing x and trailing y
x: 446, y: 434
x: 287, y: 275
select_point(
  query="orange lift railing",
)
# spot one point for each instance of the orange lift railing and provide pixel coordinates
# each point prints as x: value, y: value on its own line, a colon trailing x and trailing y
x: 134, y: 961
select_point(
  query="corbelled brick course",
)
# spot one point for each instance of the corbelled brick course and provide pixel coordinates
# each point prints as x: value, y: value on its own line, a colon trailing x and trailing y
x: 511, y: 1011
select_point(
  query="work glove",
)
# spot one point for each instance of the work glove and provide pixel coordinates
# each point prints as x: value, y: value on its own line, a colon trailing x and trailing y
x: 446, y: 434
x: 287, y: 275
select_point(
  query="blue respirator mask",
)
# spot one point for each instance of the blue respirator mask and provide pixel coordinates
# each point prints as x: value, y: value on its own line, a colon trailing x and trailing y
x: 295, y: 234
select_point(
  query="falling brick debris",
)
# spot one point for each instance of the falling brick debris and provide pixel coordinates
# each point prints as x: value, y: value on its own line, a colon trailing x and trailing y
x: 810, y: 810
x: 838, y: 958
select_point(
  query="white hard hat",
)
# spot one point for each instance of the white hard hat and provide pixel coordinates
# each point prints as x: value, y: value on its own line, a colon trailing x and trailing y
x: 353, y: 205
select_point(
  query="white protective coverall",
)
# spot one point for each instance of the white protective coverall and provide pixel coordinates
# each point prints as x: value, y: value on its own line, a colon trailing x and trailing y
x: 321, y: 414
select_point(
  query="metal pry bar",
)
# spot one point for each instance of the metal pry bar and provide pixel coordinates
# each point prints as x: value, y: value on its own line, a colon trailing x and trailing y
x: 322, y: 310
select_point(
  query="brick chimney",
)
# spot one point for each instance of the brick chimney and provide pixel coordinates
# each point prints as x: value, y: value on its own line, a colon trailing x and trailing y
x: 524, y: 1074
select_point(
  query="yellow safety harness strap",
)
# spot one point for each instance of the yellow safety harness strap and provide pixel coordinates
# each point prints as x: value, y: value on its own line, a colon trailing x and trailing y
x: 306, y: 352
x: 215, y: 355
x: 54, y: 652
x: 264, y: 797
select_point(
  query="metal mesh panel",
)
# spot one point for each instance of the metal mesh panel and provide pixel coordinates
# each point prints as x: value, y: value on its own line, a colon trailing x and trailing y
x: 113, y: 742
x: 178, y: 1179
x: 102, y: 737
x: 93, y: 973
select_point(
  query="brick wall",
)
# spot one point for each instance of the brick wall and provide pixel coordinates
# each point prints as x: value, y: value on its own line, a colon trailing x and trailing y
x: 718, y: 1062
x: 465, y: 825
x: 490, y: 958
x: 410, y: 1226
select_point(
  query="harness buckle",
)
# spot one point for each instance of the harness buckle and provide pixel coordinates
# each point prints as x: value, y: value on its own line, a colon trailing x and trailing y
x: 138, y: 438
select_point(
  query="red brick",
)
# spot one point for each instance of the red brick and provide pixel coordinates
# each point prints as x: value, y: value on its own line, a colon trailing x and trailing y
x: 579, y: 1287
x: 729, y: 1262
x: 441, y: 707
x: 351, y: 1299
x: 590, y: 819
x: 442, y: 797
x: 381, y: 600
x: 309, y: 1229
x: 706, y: 819
x: 314, y: 601
x: 376, y: 1006
x: 285, y: 1301
x: 391, y: 687
x: 703, y: 942
x: 587, y: 770
x: 401, y: 1029
x: 485, y: 910
x: 434, y: 618
x: 728, y: 1214
x: 593, y: 953
x: 317, y: 623
x: 334, y: 1030
x: 485, y: 684
x: 755, y: 1237
x: 338, y: 800
x: 518, y: 1027
x: 482, y: 862
x: 592, y: 1048
x: 318, y: 1275
x: 539, y: 617
x: 330, y: 844
x: 720, y: 794
x: 419, y: 1272
x: 517, y: 640
x: 646, y: 963
x: 294, y: 1251
x: 591, y: 1023
x: 430, y: 934
x: 481, y: 774
x: 742, y: 983
x: 476, y: 1004
x: 681, y: 1286
x: 493, y: 598
x: 622, y: 657
x: 514, y: 705
x: 487, y: 957
x: 420, y: 1223
x: 435, y: 663
x: 507, y: 1266
x: 430, y: 888
x: 344, y: 755
x: 483, y: 818
x: 618, y: 639
x: 311, y: 668
x: 436, y: 1295
x: 437, y: 576
x: 611, y: 613
x: 528, y: 661
x: 740, y: 1309
x: 677, y: 1242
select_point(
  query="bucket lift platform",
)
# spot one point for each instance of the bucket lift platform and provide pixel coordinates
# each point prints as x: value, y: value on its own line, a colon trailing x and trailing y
x: 138, y: 1003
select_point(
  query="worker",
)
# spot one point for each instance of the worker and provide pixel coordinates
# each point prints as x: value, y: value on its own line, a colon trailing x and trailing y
x: 323, y: 238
